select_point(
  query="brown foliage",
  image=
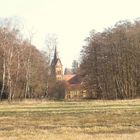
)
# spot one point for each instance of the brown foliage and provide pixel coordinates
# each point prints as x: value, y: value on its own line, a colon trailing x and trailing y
x: 23, y: 69
x: 110, y: 64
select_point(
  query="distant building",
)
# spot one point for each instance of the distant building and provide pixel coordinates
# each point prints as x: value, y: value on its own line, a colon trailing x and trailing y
x: 73, y: 88
x: 56, y: 67
x: 68, y: 71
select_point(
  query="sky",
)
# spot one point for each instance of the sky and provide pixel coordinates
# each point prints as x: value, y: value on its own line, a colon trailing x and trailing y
x: 70, y: 20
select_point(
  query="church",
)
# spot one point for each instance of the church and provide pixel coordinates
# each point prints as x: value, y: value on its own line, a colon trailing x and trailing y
x: 73, y: 88
x: 56, y: 67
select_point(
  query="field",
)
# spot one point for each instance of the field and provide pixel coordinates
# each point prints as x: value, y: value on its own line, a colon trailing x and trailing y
x: 82, y: 120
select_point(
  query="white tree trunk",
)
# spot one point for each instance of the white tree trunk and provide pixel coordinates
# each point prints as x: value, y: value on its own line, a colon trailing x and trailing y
x: 3, y: 78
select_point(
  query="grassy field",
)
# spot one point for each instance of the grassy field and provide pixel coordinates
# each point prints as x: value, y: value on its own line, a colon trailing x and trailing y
x: 82, y: 120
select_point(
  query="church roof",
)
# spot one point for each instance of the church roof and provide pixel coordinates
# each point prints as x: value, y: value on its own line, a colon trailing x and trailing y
x: 72, y: 81
x: 68, y: 77
x: 54, y: 61
x: 55, y: 58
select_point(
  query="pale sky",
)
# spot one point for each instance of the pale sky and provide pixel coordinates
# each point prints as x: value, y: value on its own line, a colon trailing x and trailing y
x: 71, y: 20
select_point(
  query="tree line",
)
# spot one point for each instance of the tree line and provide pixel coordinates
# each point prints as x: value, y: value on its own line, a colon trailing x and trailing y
x: 109, y: 65
x: 23, y: 68
x: 110, y: 62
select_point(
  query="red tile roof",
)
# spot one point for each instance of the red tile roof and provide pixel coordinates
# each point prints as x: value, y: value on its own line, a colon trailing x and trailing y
x: 72, y: 81
x: 68, y: 77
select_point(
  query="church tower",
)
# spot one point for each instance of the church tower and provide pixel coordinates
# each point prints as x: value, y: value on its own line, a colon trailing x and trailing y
x: 56, y: 67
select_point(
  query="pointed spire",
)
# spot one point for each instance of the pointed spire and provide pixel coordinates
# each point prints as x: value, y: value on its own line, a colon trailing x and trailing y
x: 55, y: 54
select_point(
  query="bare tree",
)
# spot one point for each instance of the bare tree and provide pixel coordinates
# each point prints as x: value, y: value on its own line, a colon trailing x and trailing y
x: 51, y: 42
x: 110, y: 62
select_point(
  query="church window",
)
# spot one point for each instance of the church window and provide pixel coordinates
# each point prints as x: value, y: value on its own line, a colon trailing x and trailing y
x: 59, y: 72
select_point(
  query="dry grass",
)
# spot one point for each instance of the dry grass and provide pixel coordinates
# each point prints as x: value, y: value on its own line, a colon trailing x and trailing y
x: 48, y: 120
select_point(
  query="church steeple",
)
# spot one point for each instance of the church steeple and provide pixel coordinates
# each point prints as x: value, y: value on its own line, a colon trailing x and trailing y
x: 56, y: 66
x: 55, y: 54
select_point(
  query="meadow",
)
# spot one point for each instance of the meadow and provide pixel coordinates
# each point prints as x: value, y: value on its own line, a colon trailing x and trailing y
x: 70, y: 120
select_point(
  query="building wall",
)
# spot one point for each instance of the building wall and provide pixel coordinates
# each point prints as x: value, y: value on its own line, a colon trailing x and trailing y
x: 75, y: 94
x: 59, y: 71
